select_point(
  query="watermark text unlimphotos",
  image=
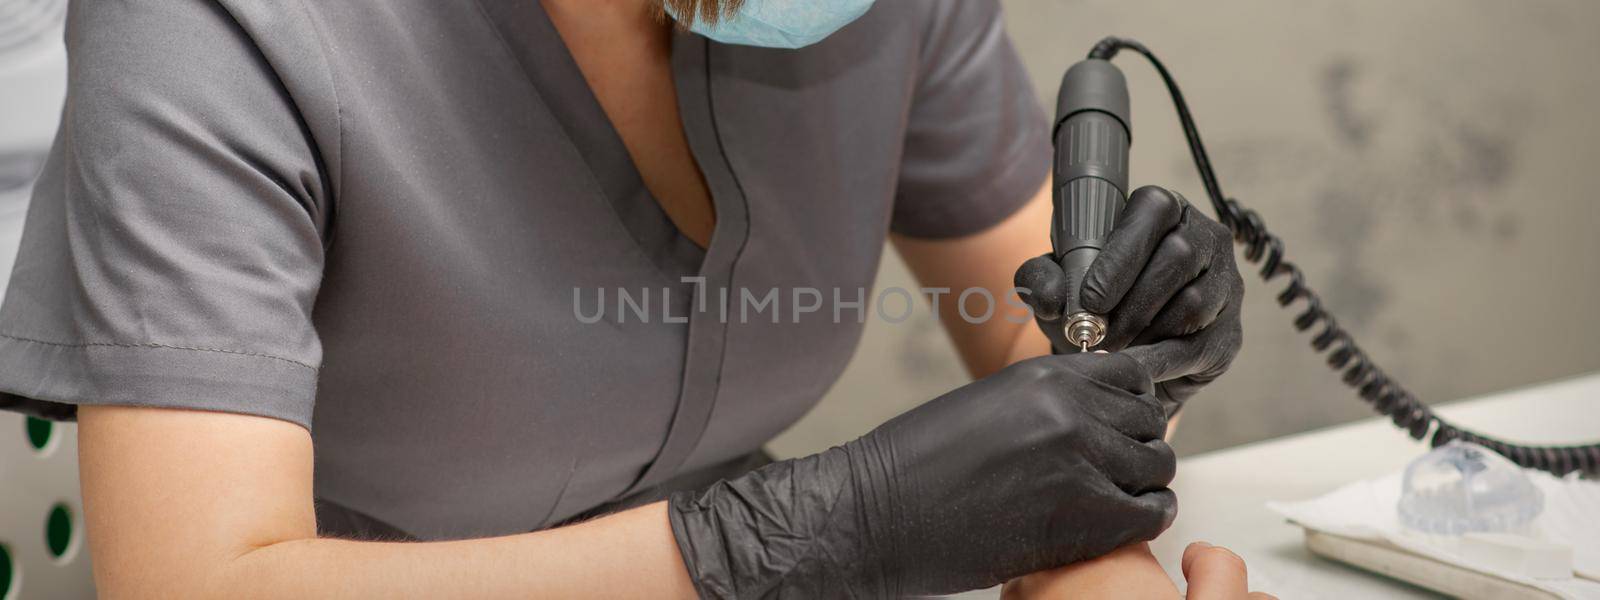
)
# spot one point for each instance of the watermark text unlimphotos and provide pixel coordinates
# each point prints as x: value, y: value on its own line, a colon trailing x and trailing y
x: 788, y: 305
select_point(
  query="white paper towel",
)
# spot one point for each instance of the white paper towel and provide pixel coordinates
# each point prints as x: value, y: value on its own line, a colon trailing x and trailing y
x: 1366, y: 510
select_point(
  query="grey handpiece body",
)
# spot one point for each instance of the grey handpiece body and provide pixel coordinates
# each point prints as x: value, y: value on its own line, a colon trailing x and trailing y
x: 1092, y: 136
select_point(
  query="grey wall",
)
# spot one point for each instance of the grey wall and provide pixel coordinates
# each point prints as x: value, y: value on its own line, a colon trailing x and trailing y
x: 1432, y: 166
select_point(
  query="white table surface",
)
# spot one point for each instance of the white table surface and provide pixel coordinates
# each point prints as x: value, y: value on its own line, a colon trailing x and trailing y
x: 1222, y: 495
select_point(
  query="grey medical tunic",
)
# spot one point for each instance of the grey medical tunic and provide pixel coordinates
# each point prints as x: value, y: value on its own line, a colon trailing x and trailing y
x: 391, y: 218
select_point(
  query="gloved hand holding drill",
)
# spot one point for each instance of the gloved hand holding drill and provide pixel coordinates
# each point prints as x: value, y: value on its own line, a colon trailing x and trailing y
x: 1167, y: 284
x: 1051, y: 461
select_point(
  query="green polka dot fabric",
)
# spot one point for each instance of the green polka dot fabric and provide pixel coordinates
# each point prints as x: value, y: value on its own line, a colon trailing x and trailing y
x: 40, y: 432
x: 58, y: 531
x: 6, y: 572
x: 42, y: 553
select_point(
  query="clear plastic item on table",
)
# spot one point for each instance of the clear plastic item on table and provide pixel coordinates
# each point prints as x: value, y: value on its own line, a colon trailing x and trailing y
x: 1462, y: 487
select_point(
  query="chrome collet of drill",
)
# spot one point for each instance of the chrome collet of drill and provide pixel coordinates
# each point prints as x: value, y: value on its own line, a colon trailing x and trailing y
x: 1085, y: 330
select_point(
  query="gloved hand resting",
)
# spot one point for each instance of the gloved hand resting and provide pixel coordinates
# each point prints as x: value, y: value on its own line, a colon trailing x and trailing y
x: 1050, y: 461
x: 1167, y: 283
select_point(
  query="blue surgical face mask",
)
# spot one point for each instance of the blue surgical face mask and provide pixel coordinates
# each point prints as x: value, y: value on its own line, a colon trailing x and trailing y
x: 781, y: 23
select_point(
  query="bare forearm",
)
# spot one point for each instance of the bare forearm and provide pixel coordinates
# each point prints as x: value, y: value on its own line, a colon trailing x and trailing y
x: 627, y: 555
x: 1129, y: 572
x: 983, y: 264
x: 1029, y: 342
x: 196, y: 504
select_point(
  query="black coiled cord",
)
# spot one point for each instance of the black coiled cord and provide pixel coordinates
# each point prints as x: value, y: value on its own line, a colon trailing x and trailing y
x: 1376, y: 387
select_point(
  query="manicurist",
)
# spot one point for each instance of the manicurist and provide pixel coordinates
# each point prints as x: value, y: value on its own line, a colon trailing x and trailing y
x: 314, y: 279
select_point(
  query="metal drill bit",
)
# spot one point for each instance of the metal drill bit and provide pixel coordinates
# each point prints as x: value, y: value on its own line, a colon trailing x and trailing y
x: 1083, y: 345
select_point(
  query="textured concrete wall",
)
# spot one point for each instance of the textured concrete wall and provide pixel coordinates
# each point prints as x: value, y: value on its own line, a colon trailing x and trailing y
x: 1433, y: 165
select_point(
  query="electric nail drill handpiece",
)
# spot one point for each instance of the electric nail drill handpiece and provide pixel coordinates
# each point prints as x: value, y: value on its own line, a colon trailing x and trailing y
x: 1092, y: 135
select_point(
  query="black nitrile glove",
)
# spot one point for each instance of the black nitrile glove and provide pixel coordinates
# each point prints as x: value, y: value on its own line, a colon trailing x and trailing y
x: 1053, y: 460
x: 1167, y: 284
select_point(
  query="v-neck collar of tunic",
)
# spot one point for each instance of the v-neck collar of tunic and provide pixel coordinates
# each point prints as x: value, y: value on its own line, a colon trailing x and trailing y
x: 559, y: 84
x: 552, y: 70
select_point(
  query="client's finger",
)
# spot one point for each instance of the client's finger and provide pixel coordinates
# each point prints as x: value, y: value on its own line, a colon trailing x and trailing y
x: 1214, y: 573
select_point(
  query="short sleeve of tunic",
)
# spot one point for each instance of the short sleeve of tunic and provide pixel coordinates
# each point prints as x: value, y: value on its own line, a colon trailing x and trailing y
x: 976, y: 146
x: 174, y: 244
